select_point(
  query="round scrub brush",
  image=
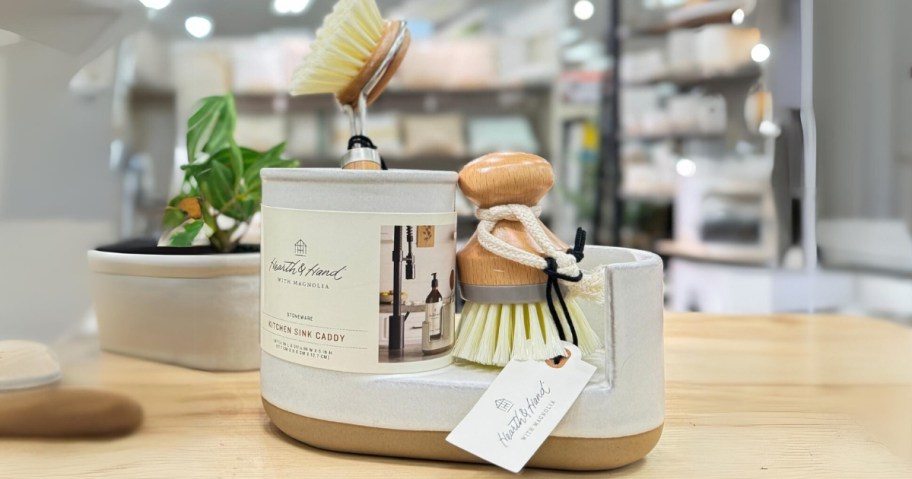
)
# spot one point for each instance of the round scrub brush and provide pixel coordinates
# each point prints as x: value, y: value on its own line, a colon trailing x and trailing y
x: 354, y: 55
x: 513, y: 271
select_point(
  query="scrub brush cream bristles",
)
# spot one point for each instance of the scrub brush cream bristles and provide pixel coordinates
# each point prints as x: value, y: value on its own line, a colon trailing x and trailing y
x: 502, y: 268
x: 347, y: 51
x: 348, y: 37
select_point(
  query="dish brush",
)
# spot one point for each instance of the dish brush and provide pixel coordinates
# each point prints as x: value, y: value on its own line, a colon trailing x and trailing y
x: 353, y: 56
x: 517, y: 278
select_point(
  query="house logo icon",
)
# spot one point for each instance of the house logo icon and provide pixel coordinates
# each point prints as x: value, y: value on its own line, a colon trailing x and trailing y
x: 300, y: 248
x: 504, y: 404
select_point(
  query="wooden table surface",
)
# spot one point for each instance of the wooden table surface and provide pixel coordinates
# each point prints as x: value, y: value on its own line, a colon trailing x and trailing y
x: 771, y: 397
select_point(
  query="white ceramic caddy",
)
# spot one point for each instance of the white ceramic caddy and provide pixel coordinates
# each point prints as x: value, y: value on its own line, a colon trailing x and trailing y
x: 617, y: 419
x: 198, y: 311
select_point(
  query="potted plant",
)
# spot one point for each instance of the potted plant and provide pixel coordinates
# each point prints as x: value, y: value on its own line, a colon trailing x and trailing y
x: 192, y: 298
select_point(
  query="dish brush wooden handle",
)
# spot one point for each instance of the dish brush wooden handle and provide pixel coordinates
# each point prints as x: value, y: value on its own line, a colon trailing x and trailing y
x: 362, y: 165
x: 500, y: 179
x: 349, y: 95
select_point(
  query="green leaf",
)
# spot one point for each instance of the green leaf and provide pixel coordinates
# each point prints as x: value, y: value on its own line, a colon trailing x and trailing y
x: 230, y: 112
x: 219, y: 137
x: 222, y: 175
x: 237, y: 165
x: 201, y: 123
x: 217, y: 184
x: 190, y: 232
x: 211, y: 127
x: 254, y: 186
x: 173, y: 218
x: 243, y: 210
x: 269, y: 159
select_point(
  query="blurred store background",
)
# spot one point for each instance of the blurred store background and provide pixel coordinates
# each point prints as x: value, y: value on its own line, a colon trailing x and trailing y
x: 763, y: 148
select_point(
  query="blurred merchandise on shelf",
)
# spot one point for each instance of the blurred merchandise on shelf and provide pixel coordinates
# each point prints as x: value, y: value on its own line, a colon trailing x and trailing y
x: 727, y: 207
x: 437, y: 135
x: 259, y: 131
x: 449, y: 64
x: 581, y: 87
x: 211, y: 65
x: 722, y: 49
x: 643, y: 222
x: 385, y: 131
x: 305, y: 136
x: 504, y: 133
x: 579, y: 177
x: 528, y: 46
x: 258, y: 67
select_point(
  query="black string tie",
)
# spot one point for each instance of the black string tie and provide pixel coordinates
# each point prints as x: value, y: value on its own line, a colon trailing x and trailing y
x: 361, y: 141
x: 552, y: 289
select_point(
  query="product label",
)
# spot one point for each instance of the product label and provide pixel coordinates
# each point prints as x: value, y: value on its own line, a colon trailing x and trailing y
x: 327, y: 289
x: 432, y: 313
x: 524, y: 403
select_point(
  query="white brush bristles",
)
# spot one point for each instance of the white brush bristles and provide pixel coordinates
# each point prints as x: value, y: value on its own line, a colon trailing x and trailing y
x: 493, y: 334
x: 343, y: 44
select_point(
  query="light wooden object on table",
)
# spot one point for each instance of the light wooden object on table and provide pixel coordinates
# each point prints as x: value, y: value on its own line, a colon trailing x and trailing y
x: 788, y: 396
x: 67, y: 413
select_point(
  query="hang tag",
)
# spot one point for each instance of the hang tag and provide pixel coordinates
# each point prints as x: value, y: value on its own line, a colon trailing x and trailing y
x: 524, y: 403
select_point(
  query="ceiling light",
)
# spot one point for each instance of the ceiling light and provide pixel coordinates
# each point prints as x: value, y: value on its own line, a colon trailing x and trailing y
x: 738, y: 17
x: 583, y: 9
x: 760, y: 53
x: 199, y: 27
x: 768, y: 128
x: 686, y: 167
x: 155, y: 4
x: 290, y: 7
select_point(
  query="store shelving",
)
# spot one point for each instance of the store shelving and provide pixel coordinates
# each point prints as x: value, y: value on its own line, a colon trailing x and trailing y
x: 713, y: 253
x: 658, y: 193
x: 688, y: 16
x: 733, y: 84
x: 676, y: 136
x: 750, y: 72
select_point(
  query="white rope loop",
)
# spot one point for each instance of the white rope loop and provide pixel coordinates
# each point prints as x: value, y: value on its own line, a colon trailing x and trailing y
x: 528, y: 217
x: 592, y: 285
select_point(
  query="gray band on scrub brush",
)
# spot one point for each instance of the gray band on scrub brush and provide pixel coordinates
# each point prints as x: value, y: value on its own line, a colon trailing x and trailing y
x: 523, y: 294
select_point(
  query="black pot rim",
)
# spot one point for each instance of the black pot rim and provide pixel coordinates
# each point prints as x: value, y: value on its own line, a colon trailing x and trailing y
x: 149, y: 246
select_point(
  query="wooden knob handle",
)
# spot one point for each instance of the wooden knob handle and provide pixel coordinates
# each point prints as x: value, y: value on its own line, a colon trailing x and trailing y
x: 500, y: 179
x: 506, y: 178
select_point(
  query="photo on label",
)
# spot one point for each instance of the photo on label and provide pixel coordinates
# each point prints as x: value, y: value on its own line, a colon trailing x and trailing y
x: 417, y: 307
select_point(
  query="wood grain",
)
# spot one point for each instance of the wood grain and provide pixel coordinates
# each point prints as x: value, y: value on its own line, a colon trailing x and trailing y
x: 477, y: 266
x: 747, y: 397
x: 362, y: 165
x: 349, y: 94
x: 68, y: 412
x: 505, y: 178
x: 500, y: 179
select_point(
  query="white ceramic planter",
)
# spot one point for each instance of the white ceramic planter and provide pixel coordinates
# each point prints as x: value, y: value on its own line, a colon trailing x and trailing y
x: 198, y: 311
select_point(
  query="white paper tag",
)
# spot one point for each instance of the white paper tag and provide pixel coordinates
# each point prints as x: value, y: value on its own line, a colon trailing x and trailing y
x: 524, y: 403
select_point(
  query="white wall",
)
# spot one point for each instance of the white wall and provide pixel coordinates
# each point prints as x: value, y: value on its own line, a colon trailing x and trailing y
x: 902, y: 108
x: 57, y: 195
x: 863, y: 103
